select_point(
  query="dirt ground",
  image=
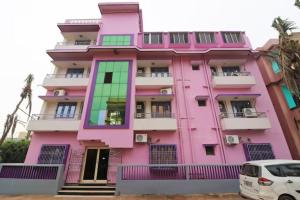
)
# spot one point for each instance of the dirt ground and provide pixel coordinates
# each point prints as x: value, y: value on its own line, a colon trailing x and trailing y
x: 125, y: 197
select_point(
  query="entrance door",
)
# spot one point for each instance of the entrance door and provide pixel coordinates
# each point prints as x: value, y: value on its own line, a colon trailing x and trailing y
x: 95, y: 165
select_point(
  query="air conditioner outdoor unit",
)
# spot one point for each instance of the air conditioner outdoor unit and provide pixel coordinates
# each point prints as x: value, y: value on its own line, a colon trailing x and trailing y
x: 232, y: 139
x: 59, y: 93
x: 250, y: 112
x: 139, y: 115
x: 166, y: 91
x: 141, y: 138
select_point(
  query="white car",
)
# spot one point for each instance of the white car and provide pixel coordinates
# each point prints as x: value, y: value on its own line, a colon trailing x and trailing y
x: 270, y: 180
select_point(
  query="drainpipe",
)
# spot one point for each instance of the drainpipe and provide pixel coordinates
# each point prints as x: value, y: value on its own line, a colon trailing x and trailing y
x: 213, y: 106
x: 178, y: 115
x: 186, y: 109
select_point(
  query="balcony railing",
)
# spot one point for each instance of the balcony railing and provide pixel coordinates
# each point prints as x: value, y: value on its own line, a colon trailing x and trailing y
x: 82, y: 21
x: 75, y: 43
x: 154, y: 74
x: 154, y: 115
x: 243, y: 115
x: 231, y: 73
x: 56, y: 117
x: 67, y: 76
x: 179, y: 172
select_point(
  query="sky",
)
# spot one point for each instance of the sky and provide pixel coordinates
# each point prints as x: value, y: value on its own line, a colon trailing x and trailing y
x: 28, y: 29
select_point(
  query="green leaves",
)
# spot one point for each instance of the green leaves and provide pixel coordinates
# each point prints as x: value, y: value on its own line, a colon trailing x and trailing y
x: 297, y: 3
x: 13, y: 151
x: 283, y: 26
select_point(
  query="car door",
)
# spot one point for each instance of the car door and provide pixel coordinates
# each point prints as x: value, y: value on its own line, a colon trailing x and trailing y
x: 292, y: 178
x: 249, y: 181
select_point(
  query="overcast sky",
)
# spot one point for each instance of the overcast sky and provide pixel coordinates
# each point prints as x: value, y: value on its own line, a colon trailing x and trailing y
x: 28, y: 29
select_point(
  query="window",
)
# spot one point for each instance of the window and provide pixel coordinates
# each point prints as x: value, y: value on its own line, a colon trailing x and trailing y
x: 195, y: 67
x: 161, y: 109
x: 163, y: 154
x: 53, y: 154
x: 275, y: 67
x: 179, y: 38
x: 116, y: 40
x: 250, y: 170
x: 232, y: 37
x: 108, y: 77
x: 65, y: 110
x: 82, y: 42
x: 238, y: 107
x: 205, y: 38
x: 159, y: 71
x: 210, y: 150
x: 75, y: 73
x: 258, y: 151
x: 275, y: 170
x: 288, y: 97
x: 110, y: 94
x: 201, y: 102
x: 152, y: 38
x: 292, y: 170
x: 231, y: 70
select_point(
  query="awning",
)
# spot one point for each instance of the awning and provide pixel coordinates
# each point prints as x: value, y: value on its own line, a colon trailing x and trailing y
x: 237, y: 96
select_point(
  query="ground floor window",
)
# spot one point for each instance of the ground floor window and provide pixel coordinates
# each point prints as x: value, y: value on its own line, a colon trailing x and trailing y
x: 258, y: 151
x: 163, y: 154
x: 53, y: 154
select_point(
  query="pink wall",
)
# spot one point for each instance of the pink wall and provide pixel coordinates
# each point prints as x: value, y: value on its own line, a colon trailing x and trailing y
x: 197, y: 126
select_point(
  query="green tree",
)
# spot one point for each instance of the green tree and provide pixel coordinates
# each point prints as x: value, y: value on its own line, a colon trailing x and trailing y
x: 12, y: 119
x: 13, y: 151
x: 288, y: 53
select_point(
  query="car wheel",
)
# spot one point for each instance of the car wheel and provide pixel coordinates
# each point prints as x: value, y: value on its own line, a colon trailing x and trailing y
x: 286, y: 197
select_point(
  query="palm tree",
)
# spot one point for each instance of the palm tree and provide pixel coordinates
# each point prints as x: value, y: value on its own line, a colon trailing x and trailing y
x: 12, y: 119
x: 297, y: 3
x: 287, y: 54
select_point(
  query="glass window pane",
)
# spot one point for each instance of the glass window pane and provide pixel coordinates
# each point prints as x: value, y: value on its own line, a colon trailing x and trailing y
x: 110, y: 67
x: 103, y: 103
x: 114, y: 90
x: 146, y: 38
x: 123, y: 90
x: 106, y: 90
x: 116, y: 77
x: 98, y: 90
x: 124, y: 77
x: 96, y: 103
x: 100, y: 78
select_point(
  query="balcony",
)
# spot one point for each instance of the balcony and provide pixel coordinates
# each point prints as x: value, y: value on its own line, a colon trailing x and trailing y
x: 78, y: 25
x: 153, y: 80
x: 244, y: 121
x: 77, y: 81
x: 233, y: 80
x: 52, y: 122
x: 155, y: 121
x: 75, y: 45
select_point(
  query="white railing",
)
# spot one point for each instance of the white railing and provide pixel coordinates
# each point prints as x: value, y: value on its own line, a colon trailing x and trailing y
x: 82, y: 21
x: 74, y: 44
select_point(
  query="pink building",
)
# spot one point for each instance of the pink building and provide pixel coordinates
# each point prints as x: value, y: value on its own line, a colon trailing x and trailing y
x: 122, y: 95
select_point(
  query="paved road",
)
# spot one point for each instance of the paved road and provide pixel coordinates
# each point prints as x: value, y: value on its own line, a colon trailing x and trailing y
x: 144, y: 197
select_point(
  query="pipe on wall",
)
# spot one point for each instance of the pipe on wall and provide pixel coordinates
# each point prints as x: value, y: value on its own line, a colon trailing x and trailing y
x: 221, y: 141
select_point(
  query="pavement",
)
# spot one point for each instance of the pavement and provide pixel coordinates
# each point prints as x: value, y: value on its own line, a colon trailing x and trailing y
x: 126, y: 197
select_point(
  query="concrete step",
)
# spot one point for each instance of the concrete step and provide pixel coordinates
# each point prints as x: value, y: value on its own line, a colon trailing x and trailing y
x: 86, y: 192
x: 88, y: 187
